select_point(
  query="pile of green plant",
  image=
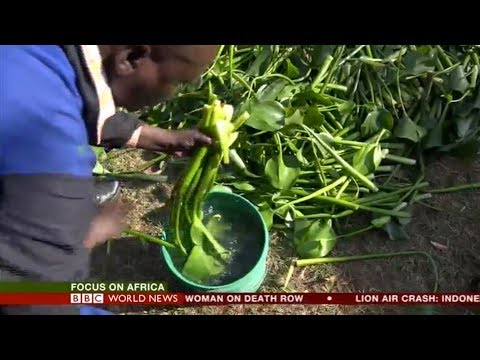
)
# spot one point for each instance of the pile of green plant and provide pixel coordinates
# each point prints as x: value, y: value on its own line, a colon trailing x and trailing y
x: 336, y: 131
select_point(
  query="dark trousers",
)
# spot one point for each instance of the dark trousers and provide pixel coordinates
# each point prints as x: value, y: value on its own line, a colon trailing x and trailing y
x: 34, y: 309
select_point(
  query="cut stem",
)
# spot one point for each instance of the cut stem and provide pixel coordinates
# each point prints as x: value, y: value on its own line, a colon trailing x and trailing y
x: 344, y: 259
x: 473, y: 186
x: 149, y: 238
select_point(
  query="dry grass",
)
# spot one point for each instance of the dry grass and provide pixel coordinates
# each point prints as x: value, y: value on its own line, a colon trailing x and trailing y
x: 449, y: 234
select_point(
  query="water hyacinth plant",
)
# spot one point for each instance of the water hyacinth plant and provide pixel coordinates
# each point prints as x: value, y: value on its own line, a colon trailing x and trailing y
x: 329, y: 132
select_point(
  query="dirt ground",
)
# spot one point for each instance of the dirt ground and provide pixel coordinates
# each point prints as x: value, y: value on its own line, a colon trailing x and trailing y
x: 448, y: 229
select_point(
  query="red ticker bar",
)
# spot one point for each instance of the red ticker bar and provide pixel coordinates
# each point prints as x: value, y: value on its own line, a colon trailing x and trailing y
x: 162, y: 299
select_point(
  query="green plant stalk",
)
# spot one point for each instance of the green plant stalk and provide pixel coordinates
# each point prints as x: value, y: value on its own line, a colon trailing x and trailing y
x: 152, y: 162
x: 315, y: 194
x: 322, y: 72
x: 231, y: 53
x: 356, y: 144
x: 394, y: 213
x: 189, y: 193
x: 444, y: 56
x: 238, y: 162
x: 342, y: 214
x: 149, y: 238
x: 421, y: 197
x: 135, y: 176
x: 347, y: 167
x: 401, y: 159
x: 353, y: 233
x: 457, y: 188
x: 384, y: 168
x: 339, y: 202
x: 183, y: 187
x: 414, y: 189
x: 315, y: 216
x: 332, y: 69
x: 353, y: 136
x: 393, y: 146
x: 291, y: 269
x: 345, y: 259
x: 376, y: 197
x: 344, y: 131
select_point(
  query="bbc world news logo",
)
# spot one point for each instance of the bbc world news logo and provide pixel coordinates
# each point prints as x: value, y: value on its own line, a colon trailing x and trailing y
x: 90, y: 298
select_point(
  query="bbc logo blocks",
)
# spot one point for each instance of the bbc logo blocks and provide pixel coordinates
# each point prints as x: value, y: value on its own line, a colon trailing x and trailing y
x: 86, y: 298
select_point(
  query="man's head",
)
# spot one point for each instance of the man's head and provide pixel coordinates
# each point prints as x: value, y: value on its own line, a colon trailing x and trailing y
x: 144, y: 75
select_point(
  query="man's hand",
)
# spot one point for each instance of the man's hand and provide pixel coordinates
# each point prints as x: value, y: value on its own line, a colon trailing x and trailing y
x: 108, y: 224
x: 179, y: 143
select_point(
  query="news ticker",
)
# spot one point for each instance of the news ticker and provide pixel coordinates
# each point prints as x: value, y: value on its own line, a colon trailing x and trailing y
x: 156, y: 293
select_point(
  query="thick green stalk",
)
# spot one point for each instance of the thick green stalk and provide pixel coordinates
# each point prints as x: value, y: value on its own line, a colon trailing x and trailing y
x: 473, y: 186
x: 384, y: 211
x: 322, y: 72
x: 189, y: 193
x: 152, y: 162
x: 339, y: 202
x: 382, y: 196
x: 344, y: 259
x: 315, y: 194
x: 137, y: 176
x: 183, y: 187
x: 347, y: 167
x: 401, y: 159
x: 149, y: 238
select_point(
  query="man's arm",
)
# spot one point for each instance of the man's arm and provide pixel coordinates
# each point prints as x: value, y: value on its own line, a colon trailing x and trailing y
x: 46, y: 197
x: 124, y: 129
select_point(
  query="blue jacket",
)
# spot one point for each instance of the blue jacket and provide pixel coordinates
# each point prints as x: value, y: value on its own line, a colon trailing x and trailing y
x: 48, y: 112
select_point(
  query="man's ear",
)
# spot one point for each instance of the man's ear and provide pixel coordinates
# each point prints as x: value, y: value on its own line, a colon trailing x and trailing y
x: 129, y: 58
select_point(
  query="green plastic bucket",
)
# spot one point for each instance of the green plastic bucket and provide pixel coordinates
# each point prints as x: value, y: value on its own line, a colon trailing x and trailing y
x: 253, y: 279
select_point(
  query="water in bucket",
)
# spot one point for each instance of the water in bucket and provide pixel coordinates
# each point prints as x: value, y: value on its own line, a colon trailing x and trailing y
x: 233, y: 225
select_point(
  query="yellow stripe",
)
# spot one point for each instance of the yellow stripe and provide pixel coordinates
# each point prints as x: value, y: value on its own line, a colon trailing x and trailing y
x: 104, y: 93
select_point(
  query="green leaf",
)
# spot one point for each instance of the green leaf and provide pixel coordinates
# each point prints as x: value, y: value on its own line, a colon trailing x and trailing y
x: 476, y: 103
x: 396, y: 231
x: 288, y: 92
x: 300, y: 157
x: 463, y: 124
x: 266, y: 116
x: 434, y: 138
x: 279, y: 175
x: 314, y: 239
x: 271, y: 91
x: 217, y: 227
x: 381, y: 221
x: 375, y: 121
x: 267, y: 214
x: 221, y: 188
x: 346, y: 108
x: 404, y: 221
x: 367, y: 159
x: 197, y: 234
x: 457, y: 80
x: 408, y: 129
x: 313, y: 118
x: 101, y: 156
x: 243, y: 186
x: 466, y: 149
x: 310, y: 97
x: 292, y: 71
x: 200, y: 267
x: 417, y: 63
x: 262, y: 57
x: 320, y: 52
x: 295, y: 119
